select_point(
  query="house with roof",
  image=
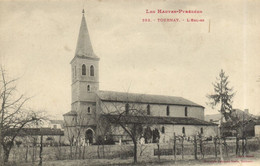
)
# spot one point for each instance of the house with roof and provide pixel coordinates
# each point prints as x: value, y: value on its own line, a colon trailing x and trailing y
x: 243, y: 124
x: 91, y: 107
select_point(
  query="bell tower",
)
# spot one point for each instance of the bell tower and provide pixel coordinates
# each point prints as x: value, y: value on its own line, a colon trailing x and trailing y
x: 85, y: 76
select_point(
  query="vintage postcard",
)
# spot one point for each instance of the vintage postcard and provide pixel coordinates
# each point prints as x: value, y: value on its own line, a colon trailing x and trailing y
x: 125, y: 82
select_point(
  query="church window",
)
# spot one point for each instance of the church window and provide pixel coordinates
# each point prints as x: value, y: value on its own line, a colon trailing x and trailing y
x: 183, y: 130
x: 163, y: 130
x: 88, y: 88
x: 91, y: 70
x: 201, y: 130
x: 89, y: 110
x: 126, y: 109
x: 186, y: 111
x: 167, y: 110
x: 83, y: 69
x: 148, y: 109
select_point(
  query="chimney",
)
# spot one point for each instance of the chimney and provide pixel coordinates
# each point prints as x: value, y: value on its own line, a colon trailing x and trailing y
x: 246, y: 111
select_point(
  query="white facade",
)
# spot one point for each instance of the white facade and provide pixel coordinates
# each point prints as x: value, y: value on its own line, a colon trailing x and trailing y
x: 257, y: 130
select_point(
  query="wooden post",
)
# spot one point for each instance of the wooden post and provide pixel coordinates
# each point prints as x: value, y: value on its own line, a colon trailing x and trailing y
x: 84, y: 147
x: 201, y: 147
x: 195, y: 147
x: 26, y: 152
x: 40, y: 155
x: 174, y: 146
x: 182, y: 147
x: 226, y: 148
x: 215, y: 145
x: 60, y: 146
x: 220, y: 134
x: 246, y: 149
x: 159, y: 152
x: 33, y: 149
x: 243, y: 147
x: 237, y: 146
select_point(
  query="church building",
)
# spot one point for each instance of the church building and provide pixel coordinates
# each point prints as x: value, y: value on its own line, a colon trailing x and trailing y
x: 92, y: 109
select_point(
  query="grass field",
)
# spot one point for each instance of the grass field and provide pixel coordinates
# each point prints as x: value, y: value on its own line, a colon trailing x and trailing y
x: 252, y: 159
x: 123, y: 155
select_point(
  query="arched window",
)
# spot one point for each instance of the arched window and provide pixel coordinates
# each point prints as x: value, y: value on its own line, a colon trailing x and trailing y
x: 186, y: 111
x: 88, y: 88
x: 91, y: 70
x: 163, y: 130
x: 126, y: 109
x: 148, y: 109
x: 83, y: 69
x: 89, y: 110
x: 201, y: 130
x: 183, y: 130
x: 167, y: 110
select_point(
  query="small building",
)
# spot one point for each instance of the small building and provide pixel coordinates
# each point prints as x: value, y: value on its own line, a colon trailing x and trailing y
x: 257, y: 128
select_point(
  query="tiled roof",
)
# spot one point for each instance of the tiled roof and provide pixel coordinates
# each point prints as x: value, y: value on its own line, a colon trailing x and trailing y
x: 129, y: 119
x: 144, y: 98
x: 56, y: 121
x: 71, y: 113
x: 35, y: 131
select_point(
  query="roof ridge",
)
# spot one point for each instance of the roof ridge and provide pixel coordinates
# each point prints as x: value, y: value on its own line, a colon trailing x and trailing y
x: 145, y: 98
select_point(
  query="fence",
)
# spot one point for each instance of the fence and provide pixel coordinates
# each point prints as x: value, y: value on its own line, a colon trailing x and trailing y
x: 31, y: 154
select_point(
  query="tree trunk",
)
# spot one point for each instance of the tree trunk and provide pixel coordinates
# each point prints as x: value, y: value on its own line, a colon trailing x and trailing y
x: 59, y: 147
x: 6, y: 154
x: 195, y: 148
x: 246, y: 149
x: 243, y: 147
x: 159, y: 152
x: 40, y: 155
x: 237, y: 146
x: 26, y: 153
x: 135, y: 152
x: 76, y: 151
x: 84, y: 148
x: 70, y: 150
x: 215, y: 145
x: 103, y: 150
x: 226, y: 148
x: 182, y: 147
x: 201, y: 148
x: 98, y: 152
x: 174, y: 146
x: 220, y: 138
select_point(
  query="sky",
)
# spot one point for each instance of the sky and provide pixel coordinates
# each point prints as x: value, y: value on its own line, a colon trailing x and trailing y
x: 38, y: 41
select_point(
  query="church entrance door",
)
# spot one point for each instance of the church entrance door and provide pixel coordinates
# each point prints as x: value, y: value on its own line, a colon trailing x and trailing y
x: 89, y: 136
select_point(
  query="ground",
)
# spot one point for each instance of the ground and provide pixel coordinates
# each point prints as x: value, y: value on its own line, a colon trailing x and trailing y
x: 252, y: 159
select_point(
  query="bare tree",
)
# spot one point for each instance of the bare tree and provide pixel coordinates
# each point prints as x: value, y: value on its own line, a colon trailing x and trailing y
x: 79, y: 135
x: 69, y: 127
x: 75, y: 126
x: 13, y: 116
x: 129, y: 116
x: 222, y: 96
x: 239, y: 123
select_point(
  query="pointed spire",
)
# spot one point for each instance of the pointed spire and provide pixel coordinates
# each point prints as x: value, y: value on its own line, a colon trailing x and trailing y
x: 84, y: 46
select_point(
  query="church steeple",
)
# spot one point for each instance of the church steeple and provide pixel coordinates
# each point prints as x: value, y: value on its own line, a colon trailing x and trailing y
x: 84, y: 46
